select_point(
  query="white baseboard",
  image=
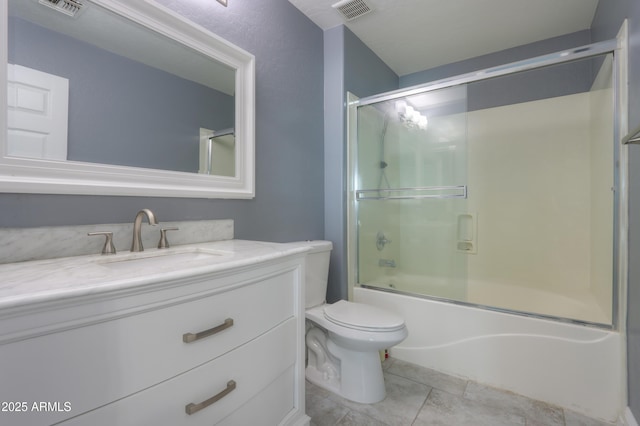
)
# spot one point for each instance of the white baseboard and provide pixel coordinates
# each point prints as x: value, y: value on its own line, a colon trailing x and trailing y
x: 629, y: 420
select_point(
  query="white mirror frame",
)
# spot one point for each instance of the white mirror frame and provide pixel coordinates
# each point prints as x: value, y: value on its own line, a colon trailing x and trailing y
x: 23, y: 175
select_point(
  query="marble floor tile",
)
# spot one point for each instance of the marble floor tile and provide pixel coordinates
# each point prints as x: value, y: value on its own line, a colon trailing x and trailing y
x: 432, y: 378
x: 445, y: 409
x: 401, y: 405
x: 572, y: 418
x: 355, y: 418
x: 322, y: 410
x: 312, y: 389
x: 386, y: 363
x: 418, y: 396
x: 537, y: 413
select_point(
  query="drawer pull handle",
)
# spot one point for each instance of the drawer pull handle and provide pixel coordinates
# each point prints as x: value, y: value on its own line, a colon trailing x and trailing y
x: 194, y: 408
x: 191, y: 337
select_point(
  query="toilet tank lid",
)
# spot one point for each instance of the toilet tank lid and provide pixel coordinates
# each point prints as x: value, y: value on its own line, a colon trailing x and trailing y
x: 314, y: 246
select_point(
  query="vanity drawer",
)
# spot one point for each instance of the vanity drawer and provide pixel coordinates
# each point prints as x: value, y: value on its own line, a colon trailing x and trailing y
x: 90, y: 366
x: 262, y: 365
x: 269, y: 407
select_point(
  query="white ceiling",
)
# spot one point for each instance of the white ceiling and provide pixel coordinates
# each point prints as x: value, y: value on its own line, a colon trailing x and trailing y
x: 415, y: 35
x: 95, y: 25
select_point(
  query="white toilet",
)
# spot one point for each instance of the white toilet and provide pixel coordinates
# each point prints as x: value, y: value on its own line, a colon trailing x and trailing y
x: 344, y: 338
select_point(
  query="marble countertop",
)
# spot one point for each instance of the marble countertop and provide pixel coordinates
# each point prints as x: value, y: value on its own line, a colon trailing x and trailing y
x: 24, y: 283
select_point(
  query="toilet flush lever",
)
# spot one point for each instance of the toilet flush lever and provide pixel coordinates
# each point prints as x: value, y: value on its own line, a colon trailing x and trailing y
x: 108, y: 248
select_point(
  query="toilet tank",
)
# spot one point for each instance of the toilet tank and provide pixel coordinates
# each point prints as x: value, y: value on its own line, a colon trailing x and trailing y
x: 317, y: 271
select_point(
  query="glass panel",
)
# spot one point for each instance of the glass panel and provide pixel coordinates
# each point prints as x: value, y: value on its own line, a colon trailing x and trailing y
x: 541, y: 173
x: 534, y: 153
x: 411, y: 163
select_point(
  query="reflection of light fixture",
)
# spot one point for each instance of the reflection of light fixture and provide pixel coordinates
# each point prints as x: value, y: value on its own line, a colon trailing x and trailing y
x: 223, y: 2
x: 410, y: 117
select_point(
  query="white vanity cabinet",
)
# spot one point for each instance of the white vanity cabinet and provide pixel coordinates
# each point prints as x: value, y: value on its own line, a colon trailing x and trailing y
x: 214, y: 348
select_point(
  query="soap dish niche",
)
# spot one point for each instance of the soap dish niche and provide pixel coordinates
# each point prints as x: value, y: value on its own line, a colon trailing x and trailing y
x: 467, y: 233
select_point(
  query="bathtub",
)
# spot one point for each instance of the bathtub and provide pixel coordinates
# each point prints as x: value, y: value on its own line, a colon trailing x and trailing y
x: 571, y: 303
x: 569, y: 365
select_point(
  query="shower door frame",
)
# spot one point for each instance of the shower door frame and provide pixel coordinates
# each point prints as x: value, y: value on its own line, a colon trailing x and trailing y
x: 618, y: 48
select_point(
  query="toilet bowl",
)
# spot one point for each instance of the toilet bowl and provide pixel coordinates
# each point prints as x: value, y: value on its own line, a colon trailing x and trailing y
x: 351, y: 337
x: 344, y: 338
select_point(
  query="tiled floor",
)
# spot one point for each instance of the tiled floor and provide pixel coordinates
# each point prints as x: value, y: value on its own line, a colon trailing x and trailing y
x: 418, y: 396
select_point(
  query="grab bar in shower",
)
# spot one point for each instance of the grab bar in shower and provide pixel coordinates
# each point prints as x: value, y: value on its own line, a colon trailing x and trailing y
x: 412, y: 193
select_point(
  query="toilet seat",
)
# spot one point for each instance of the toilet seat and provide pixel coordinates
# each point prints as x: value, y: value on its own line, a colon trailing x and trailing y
x: 359, y: 316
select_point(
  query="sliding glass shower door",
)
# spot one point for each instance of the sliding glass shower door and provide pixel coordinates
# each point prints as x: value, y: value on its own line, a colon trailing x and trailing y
x: 411, y: 188
x: 500, y: 192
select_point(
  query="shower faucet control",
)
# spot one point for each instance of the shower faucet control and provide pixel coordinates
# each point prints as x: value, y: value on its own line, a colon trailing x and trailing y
x: 381, y: 241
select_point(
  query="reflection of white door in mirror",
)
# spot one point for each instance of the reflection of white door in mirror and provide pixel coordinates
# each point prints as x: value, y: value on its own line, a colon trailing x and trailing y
x: 37, y: 114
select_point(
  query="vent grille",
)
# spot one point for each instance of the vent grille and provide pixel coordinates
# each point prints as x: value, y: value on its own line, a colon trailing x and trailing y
x: 68, y: 7
x: 352, y: 9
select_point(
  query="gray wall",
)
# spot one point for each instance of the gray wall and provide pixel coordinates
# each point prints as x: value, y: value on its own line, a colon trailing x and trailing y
x: 289, y: 136
x: 122, y: 111
x: 560, y: 80
x: 498, y: 58
x: 350, y: 66
x: 365, y: 74
x: 606, y: 24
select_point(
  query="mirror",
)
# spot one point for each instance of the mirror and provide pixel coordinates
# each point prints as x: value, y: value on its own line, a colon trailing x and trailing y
x: 123, y: 98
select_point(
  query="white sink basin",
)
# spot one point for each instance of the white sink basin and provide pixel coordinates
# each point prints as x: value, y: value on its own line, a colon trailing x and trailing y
x: 161, y: 259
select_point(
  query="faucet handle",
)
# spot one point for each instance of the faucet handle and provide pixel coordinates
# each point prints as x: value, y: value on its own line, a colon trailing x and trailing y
x: 108, y: 248
x: 381, y: 240
x: 164, y: 243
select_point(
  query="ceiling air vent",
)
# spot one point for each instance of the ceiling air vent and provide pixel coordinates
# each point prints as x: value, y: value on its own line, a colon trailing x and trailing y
x: 68, y: 7
x: 352, y: 9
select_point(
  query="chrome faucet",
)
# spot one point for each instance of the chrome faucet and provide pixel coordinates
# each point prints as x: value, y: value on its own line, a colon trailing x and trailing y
x: 136, y: 244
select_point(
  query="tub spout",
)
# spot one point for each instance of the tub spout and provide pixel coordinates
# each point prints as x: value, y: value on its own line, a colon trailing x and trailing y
x: 387, y: 263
